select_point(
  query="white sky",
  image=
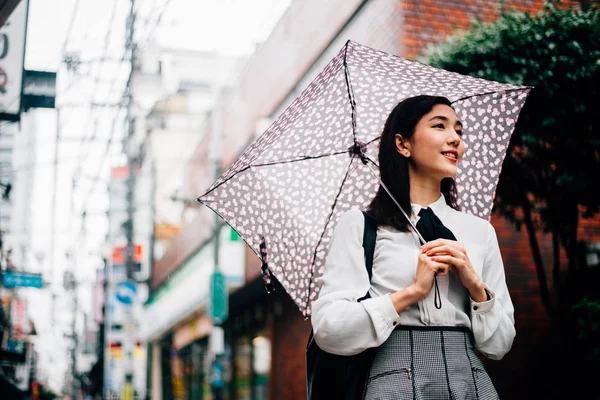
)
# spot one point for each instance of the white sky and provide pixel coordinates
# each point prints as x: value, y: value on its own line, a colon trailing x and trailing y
x: 225, y: 26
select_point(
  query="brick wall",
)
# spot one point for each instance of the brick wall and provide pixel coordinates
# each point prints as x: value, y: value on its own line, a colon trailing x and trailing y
x: 527, y: 370
x: 290, y: 335
x: 427, y: 22
x: 531, y: 320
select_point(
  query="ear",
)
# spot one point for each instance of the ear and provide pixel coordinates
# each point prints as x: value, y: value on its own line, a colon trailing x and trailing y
x: 402, y: 146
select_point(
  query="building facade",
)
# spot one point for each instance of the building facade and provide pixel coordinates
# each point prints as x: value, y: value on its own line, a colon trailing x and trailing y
x: 306, y: 38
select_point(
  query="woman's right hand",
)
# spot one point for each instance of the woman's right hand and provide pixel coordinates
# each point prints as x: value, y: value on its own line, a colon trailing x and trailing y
x: 427, y: 269
x: 421, y: 286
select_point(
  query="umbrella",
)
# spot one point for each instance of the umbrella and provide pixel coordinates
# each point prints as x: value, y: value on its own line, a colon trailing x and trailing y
x: 315, y: 162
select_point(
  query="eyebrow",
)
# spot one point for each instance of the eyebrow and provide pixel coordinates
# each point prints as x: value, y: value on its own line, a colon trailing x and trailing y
x: 445, y: 119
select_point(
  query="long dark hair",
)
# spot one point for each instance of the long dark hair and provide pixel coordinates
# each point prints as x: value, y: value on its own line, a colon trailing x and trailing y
x: 393, y: 167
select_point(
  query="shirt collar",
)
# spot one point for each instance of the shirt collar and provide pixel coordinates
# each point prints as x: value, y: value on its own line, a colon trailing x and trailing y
x: 437, y: 206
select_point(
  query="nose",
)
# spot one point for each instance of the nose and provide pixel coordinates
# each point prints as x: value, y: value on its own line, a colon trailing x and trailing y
x: 454, y: 138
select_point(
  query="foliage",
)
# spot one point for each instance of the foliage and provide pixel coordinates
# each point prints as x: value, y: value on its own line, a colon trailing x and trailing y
x: 556, y: 142
x: 552, y: 166
x: 587, y: 319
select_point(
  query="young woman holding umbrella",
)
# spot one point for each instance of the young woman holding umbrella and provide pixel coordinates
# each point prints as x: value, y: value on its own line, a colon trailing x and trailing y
x: 431, y: 306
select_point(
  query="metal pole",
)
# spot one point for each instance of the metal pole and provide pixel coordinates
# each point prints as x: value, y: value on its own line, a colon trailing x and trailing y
x: 410, y: 223
x: 130, y: 152
x: 216, y: 155
x: 220, y: 288
x: 129, y: 225
x: 75, y: 339
x: 53, y: 219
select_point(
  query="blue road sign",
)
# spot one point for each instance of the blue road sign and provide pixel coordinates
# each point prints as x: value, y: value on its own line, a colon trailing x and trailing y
x: 11, y: 279
x: 125, y: 292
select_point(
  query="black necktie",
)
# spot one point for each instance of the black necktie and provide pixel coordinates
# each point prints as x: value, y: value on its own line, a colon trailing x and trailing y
x: 431, y: 228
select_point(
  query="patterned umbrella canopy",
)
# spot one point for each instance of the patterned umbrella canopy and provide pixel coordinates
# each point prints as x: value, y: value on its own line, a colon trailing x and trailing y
x: 291, y: 185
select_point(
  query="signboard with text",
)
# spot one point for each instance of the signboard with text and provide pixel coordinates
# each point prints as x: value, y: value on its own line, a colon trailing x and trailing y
x: 12, y: 51
x: 12, y: 279
x: 219, y: 305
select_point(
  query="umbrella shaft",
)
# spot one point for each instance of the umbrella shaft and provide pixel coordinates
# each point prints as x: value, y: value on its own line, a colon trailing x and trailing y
x: 414, y: 228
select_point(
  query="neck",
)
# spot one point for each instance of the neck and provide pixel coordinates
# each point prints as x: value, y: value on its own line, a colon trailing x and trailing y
x: 424, y: 191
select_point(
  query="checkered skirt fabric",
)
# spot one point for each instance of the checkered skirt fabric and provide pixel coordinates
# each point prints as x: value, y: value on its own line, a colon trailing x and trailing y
x: 428, y: 363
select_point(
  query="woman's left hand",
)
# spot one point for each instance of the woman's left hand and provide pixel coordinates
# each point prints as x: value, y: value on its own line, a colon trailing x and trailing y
x: 454, y: 253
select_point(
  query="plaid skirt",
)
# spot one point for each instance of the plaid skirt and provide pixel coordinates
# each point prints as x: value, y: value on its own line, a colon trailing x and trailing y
x: 428, y: 363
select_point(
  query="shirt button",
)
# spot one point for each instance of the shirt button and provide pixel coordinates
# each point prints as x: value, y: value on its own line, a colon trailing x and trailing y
x: 394, y: 323
x: 475, y: 308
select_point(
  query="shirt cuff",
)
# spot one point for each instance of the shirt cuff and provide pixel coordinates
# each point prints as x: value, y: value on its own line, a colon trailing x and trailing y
x: 388, y: 311
x: 383, y: 307
x: 484, y: 306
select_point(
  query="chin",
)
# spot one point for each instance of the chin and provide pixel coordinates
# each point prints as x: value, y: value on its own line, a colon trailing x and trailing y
x: 450, y: 174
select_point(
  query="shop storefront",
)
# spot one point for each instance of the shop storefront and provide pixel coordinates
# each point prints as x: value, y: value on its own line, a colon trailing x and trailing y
x: 248, y: 334
x: 176, y: 324
x: 190, y: 360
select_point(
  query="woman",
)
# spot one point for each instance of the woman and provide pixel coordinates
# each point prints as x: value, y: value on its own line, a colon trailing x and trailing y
x: 430, y: 306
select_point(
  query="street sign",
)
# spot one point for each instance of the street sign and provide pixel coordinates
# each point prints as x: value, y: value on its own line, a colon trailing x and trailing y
x: 125, y: 292
x: 219, y: 301
x: 11, y: 279
x: 39, y: 89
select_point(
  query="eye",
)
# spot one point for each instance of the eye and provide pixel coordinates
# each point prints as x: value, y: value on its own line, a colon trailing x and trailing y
x: 441, y: 126
x: 459, y: 132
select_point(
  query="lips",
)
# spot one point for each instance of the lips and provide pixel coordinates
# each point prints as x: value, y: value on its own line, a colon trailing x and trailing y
x: 451, y: 155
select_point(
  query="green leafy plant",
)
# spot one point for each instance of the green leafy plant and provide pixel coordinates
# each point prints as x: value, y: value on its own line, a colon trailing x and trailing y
x: 586, y: 313
x: 550, y: 173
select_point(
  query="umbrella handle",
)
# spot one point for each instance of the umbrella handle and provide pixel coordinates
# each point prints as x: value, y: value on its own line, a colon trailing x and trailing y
x: 414, y: 228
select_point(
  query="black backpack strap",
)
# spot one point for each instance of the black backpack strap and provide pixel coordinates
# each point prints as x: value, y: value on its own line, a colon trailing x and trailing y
x: 369, y: 238
x: 327, y: 375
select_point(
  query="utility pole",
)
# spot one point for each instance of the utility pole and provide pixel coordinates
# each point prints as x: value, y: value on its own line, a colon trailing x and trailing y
x: 129, y: 224
x: 74, y: 336
x: 219, y: 295
x: 53, y: 220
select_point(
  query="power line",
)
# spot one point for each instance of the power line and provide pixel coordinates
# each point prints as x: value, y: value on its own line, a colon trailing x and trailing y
x: 70, y: 28
x: 127, y: 91
x: 101, y: 164
x: 104, y: 54
x: 157, y: 23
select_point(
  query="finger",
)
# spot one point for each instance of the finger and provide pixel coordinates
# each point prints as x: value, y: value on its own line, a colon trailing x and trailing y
x: 437, y: 267
x: 447, y: 259
x: 436, y: 244
x: 443, y: 249
x: 429, y: 245
x: 441, y: 269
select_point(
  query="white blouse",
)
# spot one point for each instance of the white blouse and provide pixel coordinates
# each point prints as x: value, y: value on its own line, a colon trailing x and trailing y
x: 344, y: 326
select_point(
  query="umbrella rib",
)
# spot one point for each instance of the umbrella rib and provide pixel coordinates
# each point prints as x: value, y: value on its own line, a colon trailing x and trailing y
x: 312, y: 266
x: 493, y: 92
x: 303, y: 158
x: 350, y: 94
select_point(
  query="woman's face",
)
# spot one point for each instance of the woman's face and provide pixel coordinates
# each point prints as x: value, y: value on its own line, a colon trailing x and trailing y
x: 436, y: 147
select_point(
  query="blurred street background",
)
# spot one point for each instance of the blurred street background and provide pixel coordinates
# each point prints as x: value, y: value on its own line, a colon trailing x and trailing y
x: 115, y: 115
